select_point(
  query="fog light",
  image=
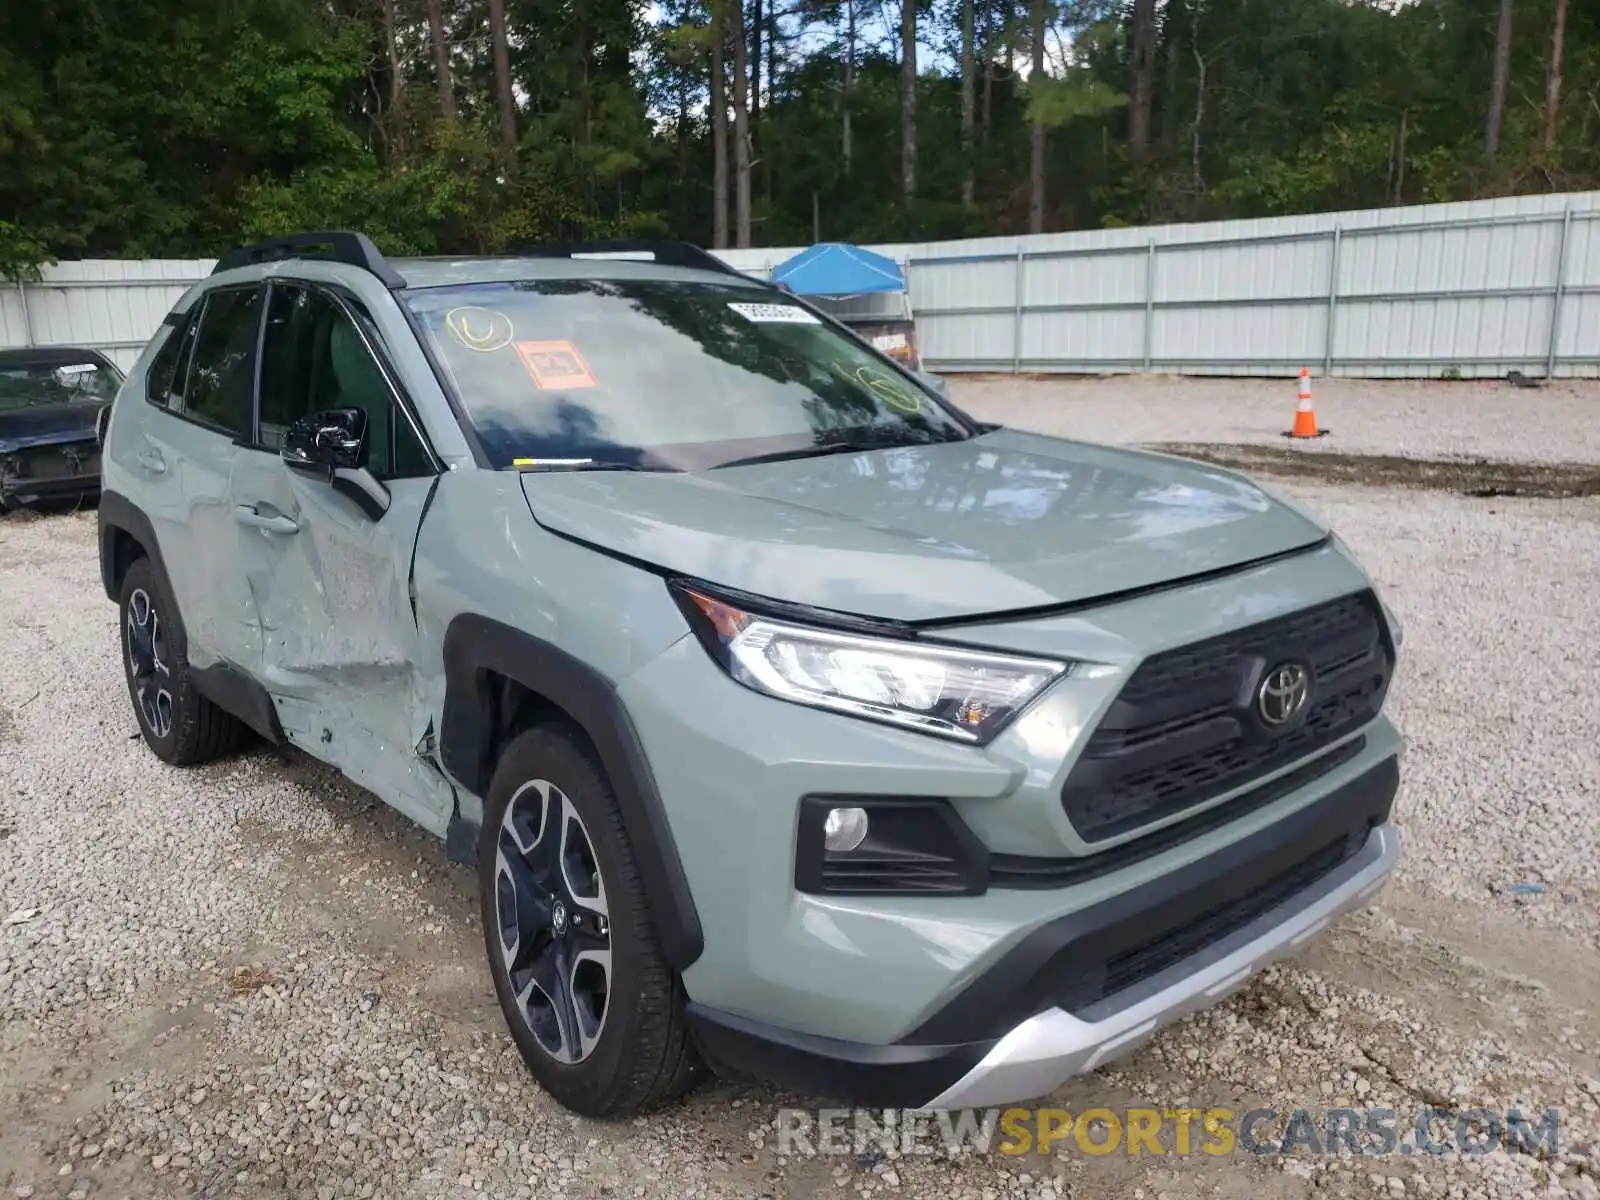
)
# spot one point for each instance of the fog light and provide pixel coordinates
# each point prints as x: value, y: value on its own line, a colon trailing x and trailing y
x: 844, y: 829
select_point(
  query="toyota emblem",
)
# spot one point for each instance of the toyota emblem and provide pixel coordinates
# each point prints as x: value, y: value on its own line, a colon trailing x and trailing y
x: 1284, y: 691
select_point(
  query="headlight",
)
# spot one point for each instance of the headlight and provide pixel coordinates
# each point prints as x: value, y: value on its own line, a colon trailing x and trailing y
x: 965, y: 695
x: 1395, y: 631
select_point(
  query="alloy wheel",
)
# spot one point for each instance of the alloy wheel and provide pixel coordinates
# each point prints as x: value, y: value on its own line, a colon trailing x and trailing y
x: 553, y: 925
x: 148, y: 663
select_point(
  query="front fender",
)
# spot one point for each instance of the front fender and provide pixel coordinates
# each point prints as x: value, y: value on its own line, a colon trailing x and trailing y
x: 475, y: 646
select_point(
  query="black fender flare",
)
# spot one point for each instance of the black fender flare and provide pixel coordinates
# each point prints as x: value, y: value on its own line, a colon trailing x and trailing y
x: 474, y: 645
x: 228, y: 687
x: 117, y: 515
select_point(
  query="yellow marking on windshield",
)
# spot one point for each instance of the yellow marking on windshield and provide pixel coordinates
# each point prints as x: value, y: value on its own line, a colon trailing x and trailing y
x: 481, y: 329
x: 896, y: 394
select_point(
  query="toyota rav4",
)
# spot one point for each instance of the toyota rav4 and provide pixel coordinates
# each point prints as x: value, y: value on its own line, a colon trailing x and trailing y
x: 796, y: 724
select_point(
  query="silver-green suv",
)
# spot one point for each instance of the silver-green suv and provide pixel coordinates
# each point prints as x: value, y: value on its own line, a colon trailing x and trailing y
x: 796, y: 723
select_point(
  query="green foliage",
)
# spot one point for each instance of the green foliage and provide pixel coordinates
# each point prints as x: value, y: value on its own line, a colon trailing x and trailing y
x: 153, y: 127
x: 21, y: 254
x: 1055, y: 101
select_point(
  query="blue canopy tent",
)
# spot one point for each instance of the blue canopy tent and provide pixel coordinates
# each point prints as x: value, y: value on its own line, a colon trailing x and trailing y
x: 848, y: 281
x: 835, y: 269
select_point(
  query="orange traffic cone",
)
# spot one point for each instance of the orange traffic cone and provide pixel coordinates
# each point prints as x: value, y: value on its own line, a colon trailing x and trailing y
x: 1305, y: 416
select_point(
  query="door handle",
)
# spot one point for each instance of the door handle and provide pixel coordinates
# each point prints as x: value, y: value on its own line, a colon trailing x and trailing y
x: 246, y: 514
x: 152, y: 461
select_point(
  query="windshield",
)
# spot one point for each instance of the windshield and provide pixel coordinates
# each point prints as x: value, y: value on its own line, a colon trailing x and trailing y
x: 22, y: 385
x: 665, y: 375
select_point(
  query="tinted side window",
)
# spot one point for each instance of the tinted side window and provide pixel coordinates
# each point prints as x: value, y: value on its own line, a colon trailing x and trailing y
x: 223, y: 371
x: 170, y: 367
x: 314, y: 358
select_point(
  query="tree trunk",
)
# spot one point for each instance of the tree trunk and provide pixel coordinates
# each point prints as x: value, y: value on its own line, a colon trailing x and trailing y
x: 1006, y: 36
x: 682, y: 191
x: 1502, y: 75
x: 908, y: 100
x: 988, y: 68
x: 1172, y: 33
x: 758, y: 22
x: 393, y: 49
x: 847, y: 142
x: 441, y: 60
x: 502, y: 77
x: 1552, y: 79
x: 392, y: 127
x: 772, y: 47
x: 1037, y: 147
x: 741, y: 131
x: 767, y: 160
x: 1400, y: 158
x: 967, y: 106
x: 1197, y: 178
x: 1143, y: 91
x: 719, y: 132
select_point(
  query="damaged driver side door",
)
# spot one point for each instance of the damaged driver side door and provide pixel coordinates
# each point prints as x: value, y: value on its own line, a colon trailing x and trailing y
x: 327, y: 549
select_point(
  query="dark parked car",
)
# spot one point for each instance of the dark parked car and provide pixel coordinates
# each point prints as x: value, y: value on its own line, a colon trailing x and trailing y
x: 49, y: 402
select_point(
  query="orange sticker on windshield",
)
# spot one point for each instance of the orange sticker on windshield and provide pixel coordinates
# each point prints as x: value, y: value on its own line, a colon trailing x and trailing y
x: 555, y: 366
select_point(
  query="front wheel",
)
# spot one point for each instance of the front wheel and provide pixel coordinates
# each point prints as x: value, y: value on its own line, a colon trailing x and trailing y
x: 595, y: 1012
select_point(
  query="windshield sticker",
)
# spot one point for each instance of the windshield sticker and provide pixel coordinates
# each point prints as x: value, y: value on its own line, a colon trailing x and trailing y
x: 555, y: 366
x: 774, y: 314
x: 77, y: 369
x: 480, y: 329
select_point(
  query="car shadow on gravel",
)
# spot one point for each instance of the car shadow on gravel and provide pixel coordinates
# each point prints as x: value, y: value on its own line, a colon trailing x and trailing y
x: 1479, y: 478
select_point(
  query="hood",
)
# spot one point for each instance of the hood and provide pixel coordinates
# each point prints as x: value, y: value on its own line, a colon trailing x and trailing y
x: 47, y: 424
x: 1000, y: 522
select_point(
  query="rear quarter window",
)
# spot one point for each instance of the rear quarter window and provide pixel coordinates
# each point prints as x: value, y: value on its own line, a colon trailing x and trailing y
x: 163, y: 382
x: 222, y: 370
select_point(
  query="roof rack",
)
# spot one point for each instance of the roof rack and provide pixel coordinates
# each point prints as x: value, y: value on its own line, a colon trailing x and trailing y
x: 666, y: 251
x: 332, y: 245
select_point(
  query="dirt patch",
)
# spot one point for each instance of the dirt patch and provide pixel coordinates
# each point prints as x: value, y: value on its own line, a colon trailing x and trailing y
x: 1479, y: 477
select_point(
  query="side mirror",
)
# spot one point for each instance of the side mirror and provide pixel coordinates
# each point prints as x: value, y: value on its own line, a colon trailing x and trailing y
x: 333, y: 444
x: 331, y: 440
x: 102, y: 422
x: 936, y: 382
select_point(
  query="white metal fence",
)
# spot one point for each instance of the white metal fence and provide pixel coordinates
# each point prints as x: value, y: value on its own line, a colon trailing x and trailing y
x: 1470, y: 289
x: 107, y: 305
x: 1474, y: 289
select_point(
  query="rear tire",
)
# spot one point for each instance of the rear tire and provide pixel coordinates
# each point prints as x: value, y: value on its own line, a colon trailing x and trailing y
x: 180, y: 725
x: 592, y: 1006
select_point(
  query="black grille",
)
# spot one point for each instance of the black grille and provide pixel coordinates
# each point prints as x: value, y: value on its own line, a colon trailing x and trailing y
x: 1100, y: 959
x: 1184, y: 728
x: 1149, y: 958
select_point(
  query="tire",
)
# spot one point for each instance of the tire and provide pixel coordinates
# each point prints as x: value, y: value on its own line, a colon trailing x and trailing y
x: 562, y: 904
x: 180, y: 725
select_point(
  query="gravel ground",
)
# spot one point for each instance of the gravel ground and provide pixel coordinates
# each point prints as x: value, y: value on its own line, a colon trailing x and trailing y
x: 1417, y: 418
x: 252, y: 979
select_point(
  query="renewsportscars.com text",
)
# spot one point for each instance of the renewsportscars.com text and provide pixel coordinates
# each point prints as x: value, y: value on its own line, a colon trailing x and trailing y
x: 1364, y: 1132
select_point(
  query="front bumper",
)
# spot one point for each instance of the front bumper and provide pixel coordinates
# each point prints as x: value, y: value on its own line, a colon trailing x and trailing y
x: 1027, y: 1023
x: 26, y: 489
x: 1046, y: 1050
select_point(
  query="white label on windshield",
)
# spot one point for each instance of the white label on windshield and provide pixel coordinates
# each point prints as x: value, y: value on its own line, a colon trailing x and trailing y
x: 774, y: 314
x: 77, y: 369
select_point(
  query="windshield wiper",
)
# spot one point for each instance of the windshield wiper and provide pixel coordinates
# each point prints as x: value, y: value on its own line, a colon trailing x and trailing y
x: 846, y: 441
x: 545, y: 465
